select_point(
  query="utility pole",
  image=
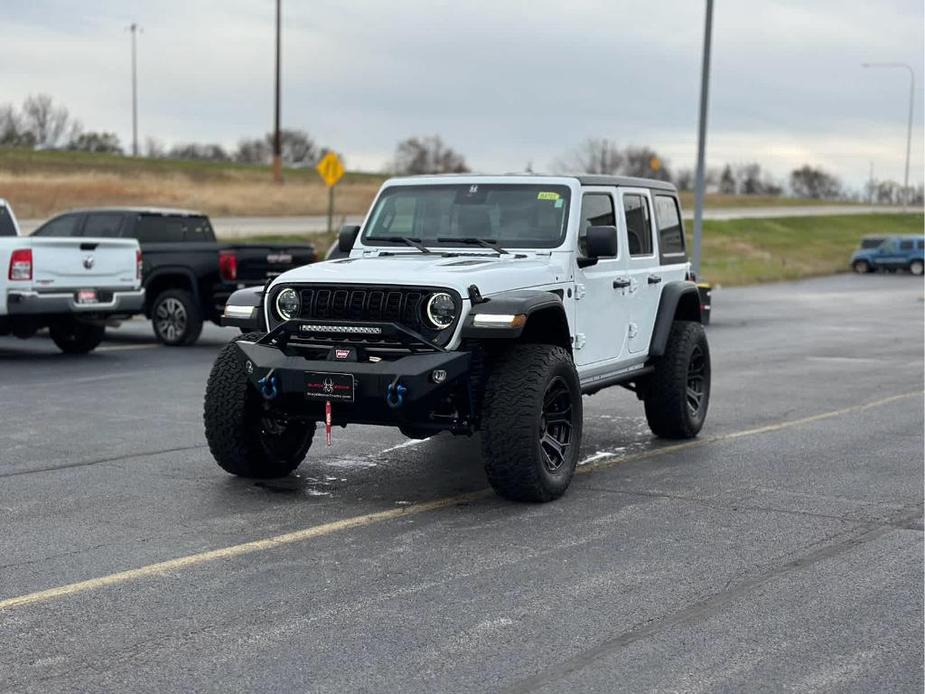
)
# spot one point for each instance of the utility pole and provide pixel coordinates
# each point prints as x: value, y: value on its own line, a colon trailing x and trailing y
x: 134, y: 28
x: 870, y: 186
x: 277, y: 143
x: 702, y: 138
x: 907, y: 194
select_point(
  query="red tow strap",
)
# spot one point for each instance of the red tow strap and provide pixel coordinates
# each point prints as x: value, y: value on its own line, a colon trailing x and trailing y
x: 328, y: 439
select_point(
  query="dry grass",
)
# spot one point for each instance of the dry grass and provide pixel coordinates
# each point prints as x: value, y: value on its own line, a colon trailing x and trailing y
x: 45, y: 194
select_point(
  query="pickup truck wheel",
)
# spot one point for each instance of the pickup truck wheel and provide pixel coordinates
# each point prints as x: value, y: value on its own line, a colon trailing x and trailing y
x: 862, y: 267
x: 74, y: 337
x: 531, y: 423
x: 678, y: 394
x: 246, y: 439
x: 176, y: 318
x: 916, y: 267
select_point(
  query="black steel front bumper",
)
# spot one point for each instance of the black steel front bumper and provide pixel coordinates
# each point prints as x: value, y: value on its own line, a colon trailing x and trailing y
x: 407, y: 390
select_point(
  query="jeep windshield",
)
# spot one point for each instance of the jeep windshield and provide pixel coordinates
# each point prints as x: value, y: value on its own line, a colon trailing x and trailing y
x: 503, y: 215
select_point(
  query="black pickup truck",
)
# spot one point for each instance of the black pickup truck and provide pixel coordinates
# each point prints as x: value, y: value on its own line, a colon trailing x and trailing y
x: 188, y: 275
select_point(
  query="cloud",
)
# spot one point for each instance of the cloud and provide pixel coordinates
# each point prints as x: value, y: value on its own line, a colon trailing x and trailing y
x: 504, y: 83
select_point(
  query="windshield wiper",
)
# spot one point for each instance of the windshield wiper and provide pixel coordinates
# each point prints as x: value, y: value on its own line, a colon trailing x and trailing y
x: 407, y: 240
x: 473, y: 241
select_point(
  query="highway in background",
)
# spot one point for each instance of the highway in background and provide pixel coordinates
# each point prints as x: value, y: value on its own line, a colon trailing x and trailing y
x: 235, y: 227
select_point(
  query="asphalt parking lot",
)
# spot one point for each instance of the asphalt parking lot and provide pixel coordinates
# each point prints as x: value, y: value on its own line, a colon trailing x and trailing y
x: 780, y: 551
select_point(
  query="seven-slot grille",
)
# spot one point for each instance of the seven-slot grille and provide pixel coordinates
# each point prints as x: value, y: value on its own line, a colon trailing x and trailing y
x: 404, y: 306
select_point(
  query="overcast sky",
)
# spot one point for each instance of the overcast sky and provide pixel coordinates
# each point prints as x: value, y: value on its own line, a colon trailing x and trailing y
x: 505, y: 83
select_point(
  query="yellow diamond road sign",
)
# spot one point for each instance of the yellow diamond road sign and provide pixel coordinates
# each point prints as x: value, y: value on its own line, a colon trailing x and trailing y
x: 330, y: 168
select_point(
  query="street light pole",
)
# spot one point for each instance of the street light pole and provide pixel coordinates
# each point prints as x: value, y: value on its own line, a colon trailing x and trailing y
x: 906, y: 191
x: 134, y: 28
x: 277, y: 143
x: 702, y: 139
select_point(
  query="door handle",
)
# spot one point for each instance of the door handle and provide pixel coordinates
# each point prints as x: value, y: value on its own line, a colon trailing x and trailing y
x: 621, y: 283
x: 654, y: 279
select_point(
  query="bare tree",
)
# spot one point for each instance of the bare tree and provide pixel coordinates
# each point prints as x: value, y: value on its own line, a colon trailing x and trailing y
x: 102, y: 142
x: 200, y: 152
x: 727, y: 181
x: 154, y: 148
x: 427, y: 155
x: 646, y: 163
x: 48, y: 124
x: 595, y: 155
x: 12, y: 132
x: 814, y: 182
x: 684, y: 179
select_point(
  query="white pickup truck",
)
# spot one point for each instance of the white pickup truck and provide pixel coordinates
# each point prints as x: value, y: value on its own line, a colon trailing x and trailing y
x: 75, y: 287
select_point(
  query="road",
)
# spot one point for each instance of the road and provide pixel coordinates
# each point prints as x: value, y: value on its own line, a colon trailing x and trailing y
x: 782, y: 550
x: 236, y: 227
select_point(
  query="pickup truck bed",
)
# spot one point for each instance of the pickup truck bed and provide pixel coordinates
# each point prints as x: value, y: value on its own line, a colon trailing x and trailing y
x: 74, y: 287
x: 188, y: 274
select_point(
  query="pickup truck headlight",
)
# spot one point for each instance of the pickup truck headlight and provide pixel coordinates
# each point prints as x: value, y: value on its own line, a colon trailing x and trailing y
x: 440, y: 310
x: 288, y: 304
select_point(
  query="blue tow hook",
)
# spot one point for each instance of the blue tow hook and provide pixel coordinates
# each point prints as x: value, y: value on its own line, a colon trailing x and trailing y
x: 395, y: 395
x: 269, y: 385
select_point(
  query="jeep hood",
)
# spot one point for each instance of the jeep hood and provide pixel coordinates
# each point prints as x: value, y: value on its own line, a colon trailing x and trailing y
x: 491, y: 273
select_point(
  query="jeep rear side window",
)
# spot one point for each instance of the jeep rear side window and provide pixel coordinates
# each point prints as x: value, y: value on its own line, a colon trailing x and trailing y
x: 596, y: 211
x: 670, y: 231
x: 638, y: 224
x: 906, y: 245
x: 920, y: 245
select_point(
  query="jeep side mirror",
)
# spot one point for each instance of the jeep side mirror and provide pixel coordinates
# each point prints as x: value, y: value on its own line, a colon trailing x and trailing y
x: 347, y: 237
x: 601, y: 242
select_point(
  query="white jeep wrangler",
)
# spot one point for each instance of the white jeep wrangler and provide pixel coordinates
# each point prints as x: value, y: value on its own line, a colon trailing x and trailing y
x: 471, y: 304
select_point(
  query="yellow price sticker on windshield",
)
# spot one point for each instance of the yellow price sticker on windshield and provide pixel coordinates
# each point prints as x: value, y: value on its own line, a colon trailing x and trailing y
x: 547, y: 196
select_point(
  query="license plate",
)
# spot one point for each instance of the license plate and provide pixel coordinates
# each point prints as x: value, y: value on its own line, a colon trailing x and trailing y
x: 279, y: 259
x: 329, y: 386
x: 87, y: 296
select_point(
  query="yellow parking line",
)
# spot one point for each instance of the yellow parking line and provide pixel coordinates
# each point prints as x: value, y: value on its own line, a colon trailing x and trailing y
x: 372, y: 518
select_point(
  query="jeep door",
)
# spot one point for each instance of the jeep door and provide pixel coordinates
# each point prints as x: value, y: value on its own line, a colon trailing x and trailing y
x: 601, y: 308
x: 643, y: 269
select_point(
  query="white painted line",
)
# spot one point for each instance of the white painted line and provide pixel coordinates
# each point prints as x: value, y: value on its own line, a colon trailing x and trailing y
x: 404, y: 444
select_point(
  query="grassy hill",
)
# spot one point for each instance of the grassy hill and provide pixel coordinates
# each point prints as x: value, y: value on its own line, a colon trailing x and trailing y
x: 42, y: 183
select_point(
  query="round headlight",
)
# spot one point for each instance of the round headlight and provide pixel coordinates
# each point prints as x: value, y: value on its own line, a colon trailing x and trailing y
x: 288, y: 304
x: 441, y: 310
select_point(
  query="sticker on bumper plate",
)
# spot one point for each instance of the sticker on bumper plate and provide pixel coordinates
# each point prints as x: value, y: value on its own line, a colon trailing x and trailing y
x: 329, y: 386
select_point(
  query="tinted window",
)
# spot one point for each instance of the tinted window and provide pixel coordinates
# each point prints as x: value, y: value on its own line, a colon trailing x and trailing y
x: 871, y: 242
x: 596, y: 211
x: 638, y: 224
x: 65, y: 225
x: 906, y: 245
x: 920, y: 245
x: 670, y: 231
x: 6, y: 222
x: 172, y: 229
x: 105, y: 224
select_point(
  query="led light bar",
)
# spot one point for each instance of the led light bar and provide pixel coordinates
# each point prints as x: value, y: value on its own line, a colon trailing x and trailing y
x: 345, y: 329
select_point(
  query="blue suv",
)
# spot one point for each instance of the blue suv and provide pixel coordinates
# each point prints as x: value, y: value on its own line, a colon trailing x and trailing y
x: 893, y: 253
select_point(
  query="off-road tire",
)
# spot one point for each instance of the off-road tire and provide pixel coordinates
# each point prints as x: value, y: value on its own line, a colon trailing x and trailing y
x: 667, y: 396
x: 517, y: 465
x: 74, y: 337
x: 916, y: 267
x: 176, y: 318
x: 862, y: 267
x: 235, y: 423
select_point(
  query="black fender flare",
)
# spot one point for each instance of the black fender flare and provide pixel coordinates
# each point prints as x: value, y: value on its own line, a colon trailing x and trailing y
x: 249, y: 296
x: 682, y: 293
x: 525, y: 302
